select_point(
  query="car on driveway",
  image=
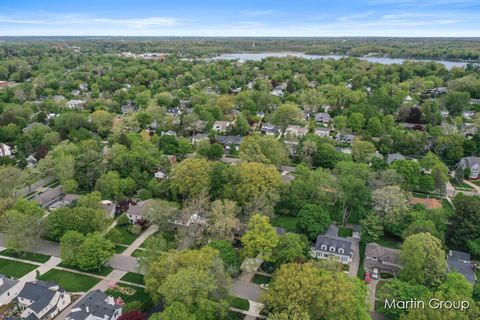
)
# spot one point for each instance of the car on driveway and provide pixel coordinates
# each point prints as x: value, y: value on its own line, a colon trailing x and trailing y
x: 368, y: 277
x: 375, y: 273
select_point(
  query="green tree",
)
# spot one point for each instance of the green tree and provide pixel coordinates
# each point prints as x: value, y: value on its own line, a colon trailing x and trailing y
x: 423, y: 260
x: 83, y: 220
x: 313, y: 220
x: 261, y: 238
x: 286, y: 114
x: 291, y: 247
x: 356, y: 121
x: 70, y: 242
x: 391, y: 204
x: 456, y: 101
x: 305, y: 289
x: 222, y: 219
x: 464, y: 225
x: 94, y: 252
x: 191, y: 178
x: 263, y: 149
x: 372, y: 228
x: 363, y: 151
x: 22, y: 230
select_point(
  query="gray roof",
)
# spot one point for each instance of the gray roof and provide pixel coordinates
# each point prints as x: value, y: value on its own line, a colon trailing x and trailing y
x: 382, y: 253
x: 48, y: 197
x: 6, y: 284
x: 322, y: 116
x: 229, y: 139
x: 140, y: 209
x: 394, y: 157
x: 469, y: 162
x: 330, y: 239
x: 40, y: 292
x: 467, y: 269
x: 97, y: 304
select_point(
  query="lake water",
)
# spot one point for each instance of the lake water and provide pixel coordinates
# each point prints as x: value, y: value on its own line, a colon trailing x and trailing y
x: 381, y: 60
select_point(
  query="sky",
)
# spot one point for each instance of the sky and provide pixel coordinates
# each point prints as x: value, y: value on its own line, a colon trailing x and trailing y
x: 293, y: 18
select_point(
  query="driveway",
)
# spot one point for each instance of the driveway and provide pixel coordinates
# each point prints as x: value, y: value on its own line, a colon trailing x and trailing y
x: 246, y: 290
x: 372, y: 291
x: 356, y: 257
x: 124, y: 263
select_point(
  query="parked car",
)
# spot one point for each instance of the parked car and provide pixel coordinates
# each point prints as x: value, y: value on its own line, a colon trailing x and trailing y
x: 264, y: 286
x: 375, y: 273
x: 368, y: 277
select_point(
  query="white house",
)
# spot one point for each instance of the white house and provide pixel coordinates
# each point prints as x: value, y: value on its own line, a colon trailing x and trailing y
x: 9, y: 289
x: 5, y: 150
x: 139, y: 211
x: 76, y: 104
x: 296, y: 131
x: 221, y: 126
x: 159, y: 175
x: 42, y: 300
x: 322, y: 132
x: 322, y: 117
x: 331, y: 246
x: 96, y: 305
x: 472, y: 163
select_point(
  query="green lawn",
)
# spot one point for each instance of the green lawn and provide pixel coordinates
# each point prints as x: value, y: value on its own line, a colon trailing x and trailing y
x: 35, y: 257
x: 462, y: 185
x: 138, y: 253
x: 169, y: 237
x: 104, y: 271
x: 361, y: 271
x: 119, y: 248
x: 140, y: 295
x: 15, y: 269
x: 447, y: 207
x: 127, y: 237
x: 477, y: 182
x: 133, y: 278
x: 231, y: 315
x: 289, y: 223
x: 389, y: 242
x: 72, y: 282
x: 240, y: 303
x: 259, y: 279
x: 344, y: 232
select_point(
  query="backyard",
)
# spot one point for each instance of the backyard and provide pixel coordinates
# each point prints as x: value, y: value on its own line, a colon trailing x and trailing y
x: 289, y: 223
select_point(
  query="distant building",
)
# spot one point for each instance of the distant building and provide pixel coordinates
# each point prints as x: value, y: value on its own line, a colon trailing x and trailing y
x: 296, y: 131
x: 331, y: 246
x: 468, y: 114
x: 460, y: 262
x: 345, y: 138
x: 96, y: 305
x: 221, y: 126
x: 322, y: 132
x: 473, y: 164
x: 322, y: 117
x: 76, y: 104
x: 229, y: 141
x: 49, y: 196
x: 270, y: 130
x: 5, y: 150
x: 40, y: 300
x: 474, y: 101
x: 383, y: 258
x: 109, y: 208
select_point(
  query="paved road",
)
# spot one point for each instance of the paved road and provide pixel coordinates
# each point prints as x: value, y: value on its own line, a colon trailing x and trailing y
x: 48, y: 248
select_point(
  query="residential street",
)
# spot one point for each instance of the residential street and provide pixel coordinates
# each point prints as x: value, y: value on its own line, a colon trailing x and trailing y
x: 48, y: 248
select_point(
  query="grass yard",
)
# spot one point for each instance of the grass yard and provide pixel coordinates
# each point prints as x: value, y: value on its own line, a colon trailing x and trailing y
x: 462, y: 185
x: 119, y: 248
x: 127, y: 237
x: 259, y: 279
x: 138, y: 253
x: 15, y: 269
x: 72, y: 282
x: 35, y: 257
x: 477, y: 182
x: 133, y: 278
x: 344, y: 232
x: 140, y: 295
x: 168, y: 236
x: 240, y: 303
x: 104, y: 271
x: 289, y: 223
x: 231, y: 315
x: 389, y: 242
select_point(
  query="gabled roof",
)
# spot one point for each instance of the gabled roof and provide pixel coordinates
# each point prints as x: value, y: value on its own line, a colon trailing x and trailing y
x: 394, y: 157
x: 95, y: 303
x: 382, y: 253
x: 141, y: 208
x: 469, y: 162
x: 6, y: 284
x: 40, y: 292
x: 331, y: 239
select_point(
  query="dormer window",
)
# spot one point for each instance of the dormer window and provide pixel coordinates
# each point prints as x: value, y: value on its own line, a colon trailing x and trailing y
x: 332, y: 249
x: 323, y: 247
x: 341, y: 250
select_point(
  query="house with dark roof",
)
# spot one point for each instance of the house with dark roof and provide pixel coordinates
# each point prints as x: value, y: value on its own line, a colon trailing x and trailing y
x: 322, y: 117
x: 344, y: 138
x: 9, y: 289
x: 331, y: 246
x: 49, y: 196
x: 383, y: 258
x: 473, y: 164
x: 460, y: 262
x: 229, y: 141
x: 395, y: 157
x: 96, y: 305
x: 139, y: 211
x: 40, y: 300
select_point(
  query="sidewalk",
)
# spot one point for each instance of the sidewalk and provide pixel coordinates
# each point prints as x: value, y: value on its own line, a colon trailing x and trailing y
x: 138, y: 242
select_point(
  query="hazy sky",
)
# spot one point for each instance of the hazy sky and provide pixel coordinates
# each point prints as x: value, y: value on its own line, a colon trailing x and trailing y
x: 452, y: 18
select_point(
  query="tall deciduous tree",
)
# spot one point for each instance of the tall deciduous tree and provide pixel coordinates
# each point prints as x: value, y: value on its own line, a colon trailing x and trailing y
x: 191, y: 178
x: 464, y: 224
x: 313, y: 220
x: 423, y: 260
x: 261, y: 238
